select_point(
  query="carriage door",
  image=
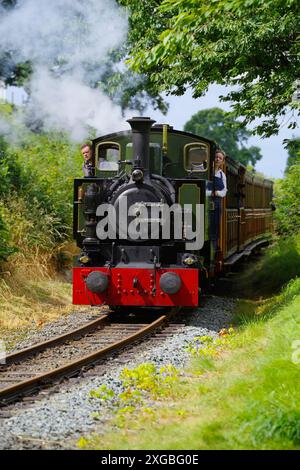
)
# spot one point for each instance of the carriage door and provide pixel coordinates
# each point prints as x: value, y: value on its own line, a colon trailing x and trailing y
x: 241, y: 209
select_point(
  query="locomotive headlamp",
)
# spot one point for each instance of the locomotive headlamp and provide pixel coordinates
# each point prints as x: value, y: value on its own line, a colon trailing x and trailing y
x: 170, y: 283
x: 97, y: 282
x: 84, y: 259
x: 137, y: 175
x: 189, y: 259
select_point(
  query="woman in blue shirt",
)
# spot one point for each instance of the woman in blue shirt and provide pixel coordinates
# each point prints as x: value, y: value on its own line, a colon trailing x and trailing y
x: 217, y: 191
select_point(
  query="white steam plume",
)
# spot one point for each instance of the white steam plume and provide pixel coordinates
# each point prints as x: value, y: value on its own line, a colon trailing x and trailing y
x: 67, y: 42
x: 68, y: 104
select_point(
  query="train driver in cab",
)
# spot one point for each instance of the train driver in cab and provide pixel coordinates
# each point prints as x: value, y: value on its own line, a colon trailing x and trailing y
x: 87, y: 166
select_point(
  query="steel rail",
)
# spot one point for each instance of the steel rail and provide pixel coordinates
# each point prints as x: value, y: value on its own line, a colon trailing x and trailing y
x: 6, y: 394
x: 36, y: 348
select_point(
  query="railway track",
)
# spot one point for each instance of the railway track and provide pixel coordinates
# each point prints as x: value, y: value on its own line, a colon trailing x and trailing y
x: 29, y: 370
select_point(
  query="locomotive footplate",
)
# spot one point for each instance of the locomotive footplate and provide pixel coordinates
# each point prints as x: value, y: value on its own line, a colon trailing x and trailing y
x: 162, y: 287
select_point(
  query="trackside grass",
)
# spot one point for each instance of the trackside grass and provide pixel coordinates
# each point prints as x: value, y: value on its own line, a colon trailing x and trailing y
x: 280, y: 263
x: 240, y: 392
x: 33, y: 293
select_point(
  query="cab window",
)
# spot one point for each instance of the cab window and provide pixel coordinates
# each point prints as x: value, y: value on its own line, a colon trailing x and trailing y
x: 108, y: 156
x: 196, y: 157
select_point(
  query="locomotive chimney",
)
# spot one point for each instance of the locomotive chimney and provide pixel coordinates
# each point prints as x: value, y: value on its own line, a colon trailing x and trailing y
x: 140, y: 142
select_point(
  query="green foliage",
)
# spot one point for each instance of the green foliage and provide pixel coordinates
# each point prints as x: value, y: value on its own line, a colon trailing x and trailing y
x: 31, y: 226
x: 281, y: 424
x: 82, y: 443
x: 220, y: 126
x: 11, y: 73
x: 5, y: 247
x: 287, y: 192
x: 36, y: 191
x: 147, y: 378
x: 270, y: 414
x: 36, y: 186
x: 207, y: 347
x: 102, y: 393
x: 49, y: 164
x: 139, y: 384
x: 8, y: 3
x: 9, y: 177
x: 293, y: 148
x: 10, y: 170
x: 252, y: 46
x: 279, y: 264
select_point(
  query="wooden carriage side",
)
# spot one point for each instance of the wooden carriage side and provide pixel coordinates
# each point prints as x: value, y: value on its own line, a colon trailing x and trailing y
x: 247, y: 212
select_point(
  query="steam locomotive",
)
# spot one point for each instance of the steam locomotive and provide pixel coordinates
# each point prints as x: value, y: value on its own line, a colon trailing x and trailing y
x: 143, y: 221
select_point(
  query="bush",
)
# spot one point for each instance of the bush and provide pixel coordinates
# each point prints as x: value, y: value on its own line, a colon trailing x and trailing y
x: 10, y: 170
x: 36, y: 185
x: 31, y: 225
x: 49, y: 164
x: 8, y: 177
x: 5, y: 248
x: 279, y: 264
x: 287, y: 193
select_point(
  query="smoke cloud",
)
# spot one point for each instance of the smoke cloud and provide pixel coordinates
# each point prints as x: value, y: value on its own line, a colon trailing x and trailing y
x: 67, y: 42
x: 66, y: 103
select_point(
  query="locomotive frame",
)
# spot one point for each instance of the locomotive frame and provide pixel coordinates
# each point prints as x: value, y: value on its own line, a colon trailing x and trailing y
x: 162, y: 273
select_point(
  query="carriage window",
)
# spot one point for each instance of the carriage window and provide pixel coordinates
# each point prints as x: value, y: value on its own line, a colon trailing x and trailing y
x: 196, y: 157
x: 108, y: 156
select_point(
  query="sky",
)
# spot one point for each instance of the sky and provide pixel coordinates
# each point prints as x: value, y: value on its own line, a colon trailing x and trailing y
x: 183, y: 107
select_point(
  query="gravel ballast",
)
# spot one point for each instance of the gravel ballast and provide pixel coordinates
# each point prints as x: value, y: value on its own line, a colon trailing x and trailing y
x: 59, y: 419
x: 59, y: 327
